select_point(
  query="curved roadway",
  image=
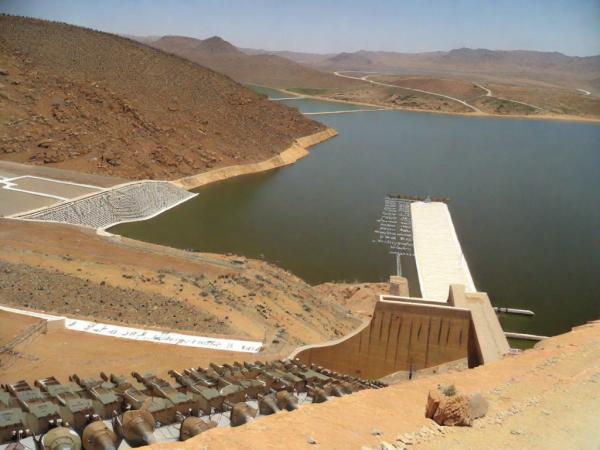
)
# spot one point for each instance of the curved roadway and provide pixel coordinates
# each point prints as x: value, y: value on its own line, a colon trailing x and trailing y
x: 366, y: 78
x: 489, y: 94
x: 468, y: 105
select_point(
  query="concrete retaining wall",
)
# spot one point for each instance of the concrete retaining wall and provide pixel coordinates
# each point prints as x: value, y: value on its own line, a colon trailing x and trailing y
x: 401, y: 336
x: 292, y: 154
x: 126, y: 203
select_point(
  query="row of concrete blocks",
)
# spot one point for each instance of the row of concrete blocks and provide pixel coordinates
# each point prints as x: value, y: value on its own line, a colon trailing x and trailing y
x: 136, y: 407
x: 125, y: 203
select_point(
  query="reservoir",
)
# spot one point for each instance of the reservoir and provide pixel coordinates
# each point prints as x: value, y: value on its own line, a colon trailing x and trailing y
x: 524, y: 201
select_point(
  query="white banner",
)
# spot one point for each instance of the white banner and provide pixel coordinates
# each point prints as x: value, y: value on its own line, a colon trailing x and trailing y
x: 162, y: 337
x: 138, y: 334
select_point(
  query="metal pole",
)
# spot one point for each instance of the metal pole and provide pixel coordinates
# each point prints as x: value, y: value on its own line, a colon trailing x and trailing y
x: 398, y: 265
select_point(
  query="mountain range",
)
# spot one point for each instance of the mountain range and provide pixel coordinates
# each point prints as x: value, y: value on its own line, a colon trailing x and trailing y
x: 287, y: 69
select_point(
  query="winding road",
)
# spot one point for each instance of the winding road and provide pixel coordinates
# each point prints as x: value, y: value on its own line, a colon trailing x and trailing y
x: 366, y: 78
x: 488, y: 92
x: 343, y: 74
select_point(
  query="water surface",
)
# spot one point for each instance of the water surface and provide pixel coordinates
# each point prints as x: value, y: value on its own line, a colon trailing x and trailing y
x: 524, y: 200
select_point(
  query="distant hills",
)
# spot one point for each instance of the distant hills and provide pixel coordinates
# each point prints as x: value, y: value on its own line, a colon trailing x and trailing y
x: 288, y: 69
x: 262, y: 69
x: 79, y: 99
x: 535, y: 67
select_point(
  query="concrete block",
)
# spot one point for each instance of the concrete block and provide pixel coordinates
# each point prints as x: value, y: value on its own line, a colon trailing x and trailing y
x: 399, y: 286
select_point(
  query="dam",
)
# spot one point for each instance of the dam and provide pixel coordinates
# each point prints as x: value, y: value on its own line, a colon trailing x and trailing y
x: 332, y: 198
x: 450, y: 325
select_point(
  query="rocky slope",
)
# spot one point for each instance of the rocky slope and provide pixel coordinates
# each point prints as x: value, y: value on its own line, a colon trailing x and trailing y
x: 68, y: 270
x: 80, y: 99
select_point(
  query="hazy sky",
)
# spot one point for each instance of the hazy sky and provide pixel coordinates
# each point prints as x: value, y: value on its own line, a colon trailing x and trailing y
x: 568, y: 26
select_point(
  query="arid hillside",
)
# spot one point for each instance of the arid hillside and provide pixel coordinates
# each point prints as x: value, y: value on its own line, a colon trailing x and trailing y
x: 78, y: 99
x: 264, y: 70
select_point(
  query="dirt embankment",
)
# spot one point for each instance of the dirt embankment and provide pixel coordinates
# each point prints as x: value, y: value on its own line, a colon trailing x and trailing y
x: 78, y: 99
x: 72, y: 271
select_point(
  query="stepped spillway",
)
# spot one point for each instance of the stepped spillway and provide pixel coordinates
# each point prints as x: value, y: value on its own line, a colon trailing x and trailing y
x: 126, y: 203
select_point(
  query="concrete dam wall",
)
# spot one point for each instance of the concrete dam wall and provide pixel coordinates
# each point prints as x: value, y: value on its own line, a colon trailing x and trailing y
x: 408, y: 334
x: 401, y: 336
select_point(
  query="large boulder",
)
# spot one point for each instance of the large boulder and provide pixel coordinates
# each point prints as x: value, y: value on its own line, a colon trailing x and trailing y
x: 433, y: 402
x: 455, y: 410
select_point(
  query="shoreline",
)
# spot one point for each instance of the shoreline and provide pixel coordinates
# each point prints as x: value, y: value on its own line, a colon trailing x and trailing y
x: 295, y: 152
x: 554, y: 118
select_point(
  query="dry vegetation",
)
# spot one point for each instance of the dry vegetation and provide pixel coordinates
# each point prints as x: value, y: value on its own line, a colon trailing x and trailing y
x: 79, y: 99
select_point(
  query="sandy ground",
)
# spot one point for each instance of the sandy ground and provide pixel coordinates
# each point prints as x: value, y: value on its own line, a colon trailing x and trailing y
x: 65, y: 352
x: 546, y: 398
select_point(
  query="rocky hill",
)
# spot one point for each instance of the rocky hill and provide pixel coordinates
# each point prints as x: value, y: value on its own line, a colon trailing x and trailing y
x: 263, y: 69
x: 80, y: 99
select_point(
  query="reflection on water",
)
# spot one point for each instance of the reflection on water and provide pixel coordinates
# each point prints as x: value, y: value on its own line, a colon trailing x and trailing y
x: 524, y: 199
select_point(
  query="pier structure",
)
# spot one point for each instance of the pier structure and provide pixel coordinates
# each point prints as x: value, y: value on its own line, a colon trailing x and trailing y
x: 438, y: 254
